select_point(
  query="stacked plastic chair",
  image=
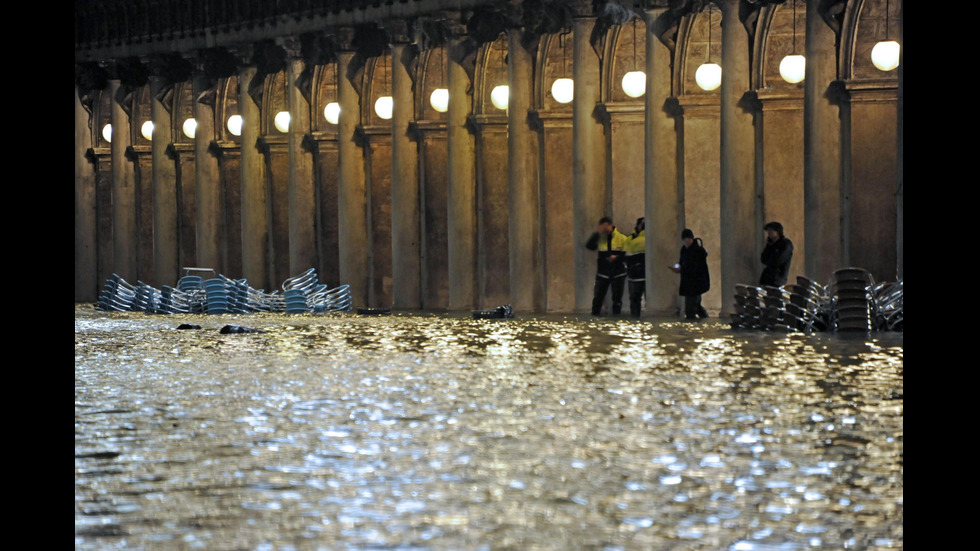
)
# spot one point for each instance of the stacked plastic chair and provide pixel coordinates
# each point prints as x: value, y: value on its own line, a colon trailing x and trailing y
x: 337, y: 299
x: 217, y: 296
x: 807, y: 305
x: 117, y: 295
x: 193, y: 287
x: 748, y: 307
x: 852, y: 306
x: 889, y: 298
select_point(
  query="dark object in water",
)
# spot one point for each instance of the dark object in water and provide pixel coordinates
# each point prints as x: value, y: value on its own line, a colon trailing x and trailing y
x: 230, y: 329
x: 374, y: 311
x: 188, y: 326
x: 500, y: 312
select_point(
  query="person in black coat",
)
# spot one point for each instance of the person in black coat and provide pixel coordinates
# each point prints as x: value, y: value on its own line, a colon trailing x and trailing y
x: 693, y: 267
x: 776, y: 256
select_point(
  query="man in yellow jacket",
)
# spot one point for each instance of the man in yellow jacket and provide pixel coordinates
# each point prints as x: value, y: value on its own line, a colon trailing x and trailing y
x: 611, y: 268
x: 636, y: 248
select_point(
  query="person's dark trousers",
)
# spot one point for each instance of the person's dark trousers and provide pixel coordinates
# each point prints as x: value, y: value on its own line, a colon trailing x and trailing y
x: 693, y: 309
x: 636, y: 296
x: 602, y: 285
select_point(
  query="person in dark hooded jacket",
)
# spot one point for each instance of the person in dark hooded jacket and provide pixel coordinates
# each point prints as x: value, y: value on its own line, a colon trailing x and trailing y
x: 777, y: 256
x: 693, y: 267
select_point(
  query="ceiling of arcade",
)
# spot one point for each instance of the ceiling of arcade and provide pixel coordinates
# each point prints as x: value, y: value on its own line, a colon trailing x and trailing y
x: 177, y: 41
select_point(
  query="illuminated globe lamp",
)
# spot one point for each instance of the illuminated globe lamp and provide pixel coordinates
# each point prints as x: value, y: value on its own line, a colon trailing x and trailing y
x: 282, y: 121
x: 107, y: 132
x: 190, y: 128
x: 439, y: 99
x: 332, y: 112
x: 235, y: 125
x: 500, y: 96
x: 563, y: 90
x: 147, y: 130
x: 708, y: 76
x: 885, y: 55
x: 793, y: 68
x: 384, y: 106
x: 635, y: 83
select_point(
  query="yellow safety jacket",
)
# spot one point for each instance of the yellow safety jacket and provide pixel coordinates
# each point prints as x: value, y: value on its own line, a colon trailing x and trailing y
x: 612, y: 253
x: 636, y: 247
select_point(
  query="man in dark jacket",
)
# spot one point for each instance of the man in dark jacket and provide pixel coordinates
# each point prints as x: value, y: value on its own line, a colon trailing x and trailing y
x: 776, y: 256
x: 693, y: 267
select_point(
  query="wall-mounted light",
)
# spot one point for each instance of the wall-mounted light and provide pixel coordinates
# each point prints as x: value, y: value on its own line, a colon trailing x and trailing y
x: 439, y: 99
x: 500, y: 96
x: 708, y: 75
x: 332, y: 112
x: 190, y: 128
x: 282, y: 121
x: 107, y: 132
x: 235, y: 125
x: 793, y: 67
x: 147, y: 130
x: 635, y: 81
x: 885, y: 54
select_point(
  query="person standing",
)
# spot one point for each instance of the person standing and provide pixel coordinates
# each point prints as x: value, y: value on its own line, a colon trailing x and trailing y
x: 777, y: 256
x: 693, y: 267
x: 611, y: 268
x: 636, y: 249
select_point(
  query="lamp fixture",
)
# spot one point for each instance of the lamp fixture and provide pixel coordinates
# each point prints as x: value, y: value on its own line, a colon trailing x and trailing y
x: 563, y: 89
x: 147, y: 130
x: 190, y: 128
x: 634, y: 82
x: 793, y: 67
x: 708, y: 75
x: 107, y: 132
x: 282, y: 121
x: 235, y: 125
x: 439, y: 98
x: 885, y: 54
x: 384, y: 104
x: 332, y: 112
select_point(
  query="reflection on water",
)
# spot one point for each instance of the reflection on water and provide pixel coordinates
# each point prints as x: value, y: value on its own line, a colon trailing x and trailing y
x: 443, y: 432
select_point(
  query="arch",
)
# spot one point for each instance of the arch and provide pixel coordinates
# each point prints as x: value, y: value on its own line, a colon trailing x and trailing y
x: 698, y: 41
x: 865, y: 23
x: 626, y: 52
x: 430, y: 75
x: 324, y: 92
x: 491, y: 71
x: 555, y: 57
x: 776, y: 38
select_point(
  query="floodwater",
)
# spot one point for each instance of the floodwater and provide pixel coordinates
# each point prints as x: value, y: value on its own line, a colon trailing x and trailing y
x: 424, y: 431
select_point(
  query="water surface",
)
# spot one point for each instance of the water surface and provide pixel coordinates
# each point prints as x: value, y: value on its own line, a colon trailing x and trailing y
x: 422, y: 431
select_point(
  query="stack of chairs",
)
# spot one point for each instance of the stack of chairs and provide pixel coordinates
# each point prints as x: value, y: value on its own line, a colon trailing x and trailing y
x: 748, y: 307
x: 337, y: 299
x: 853, y: 307
x: 807, y: 305
x: 147, y: 299
x: 888, y: 300
x: 174, y: 301
x: 295, y: 291
x: 217, y: 296
x: 773, y: 316
x: 117, y: 295
x: 193, y: 288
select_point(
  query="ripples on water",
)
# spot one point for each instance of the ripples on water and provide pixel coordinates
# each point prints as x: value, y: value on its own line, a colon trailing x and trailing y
x: 443, y: 432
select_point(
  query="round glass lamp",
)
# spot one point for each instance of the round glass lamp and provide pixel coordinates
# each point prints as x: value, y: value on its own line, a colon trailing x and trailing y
x: 708, y: 76
x: 793, y: 68
x: 190, y: 128
x: 885, y: 55
x: 635, y: 83
x: 235, y: 125
x: 107, y: 132
x: 439, y: 99
x: 383, y: 107
x: 563, y: 90
x: 332, y: 112
x: 500, y: 96
x: 147, y: 130
x: 282, y: 121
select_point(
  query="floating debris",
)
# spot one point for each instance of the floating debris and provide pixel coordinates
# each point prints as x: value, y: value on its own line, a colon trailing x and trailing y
x: 500, y: 312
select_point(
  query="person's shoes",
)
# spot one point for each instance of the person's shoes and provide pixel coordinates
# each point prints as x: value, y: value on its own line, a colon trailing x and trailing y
x: 702, y: 313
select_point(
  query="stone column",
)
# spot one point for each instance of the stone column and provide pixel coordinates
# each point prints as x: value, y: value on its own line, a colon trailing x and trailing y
x: 522, y: 178
x: 302, y: 198
x: 255, y: 200
x: 660, y: 164
x: 739, y: 242
x: 351, y: 198
x: 164, y: 170
x: 405, y: 239
x: 588, y: 155
x: 208, y: 184
x: 900, y: 216
x: 124, y: 236
x: 86, y: 278
x: 821, y: 151
x: 461, y: 217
